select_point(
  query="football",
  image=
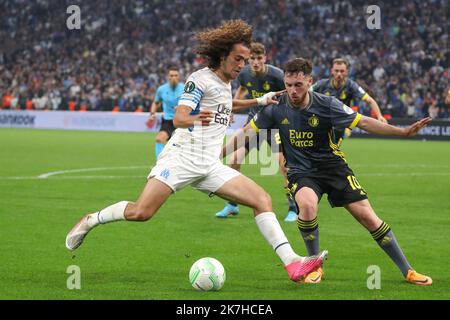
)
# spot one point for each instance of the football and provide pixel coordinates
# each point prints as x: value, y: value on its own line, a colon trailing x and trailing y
x: 207, y: 274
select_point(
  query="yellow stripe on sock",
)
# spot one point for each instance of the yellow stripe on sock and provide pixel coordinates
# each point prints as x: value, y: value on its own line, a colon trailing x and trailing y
x: 302, y: 224
x: 380, y: 231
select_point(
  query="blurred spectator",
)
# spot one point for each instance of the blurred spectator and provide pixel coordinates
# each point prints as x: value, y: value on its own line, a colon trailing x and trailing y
x: 121, y: 53
x: 433, y: 110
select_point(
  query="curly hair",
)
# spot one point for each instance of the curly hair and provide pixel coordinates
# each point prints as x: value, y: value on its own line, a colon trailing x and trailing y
x: 217, y: 43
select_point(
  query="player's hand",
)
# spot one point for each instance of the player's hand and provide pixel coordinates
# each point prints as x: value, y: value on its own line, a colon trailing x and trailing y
x: 205, y: 117
x: 151, y: 121
x: 416, y: 126
x: 274, y: 99
x: 269, y: 98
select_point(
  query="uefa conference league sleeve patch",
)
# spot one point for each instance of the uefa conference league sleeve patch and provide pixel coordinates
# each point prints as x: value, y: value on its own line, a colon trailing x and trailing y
x: 189, y: 87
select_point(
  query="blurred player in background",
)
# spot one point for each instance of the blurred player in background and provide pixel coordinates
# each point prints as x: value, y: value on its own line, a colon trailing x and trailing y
x: 166, y: 95
x: 255, y: 80
x: 317, y: 166
x: 346, y: 90
x: 192, y: 155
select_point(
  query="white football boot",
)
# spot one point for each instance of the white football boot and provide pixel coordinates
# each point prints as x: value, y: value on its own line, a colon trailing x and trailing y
x: 76, y: 236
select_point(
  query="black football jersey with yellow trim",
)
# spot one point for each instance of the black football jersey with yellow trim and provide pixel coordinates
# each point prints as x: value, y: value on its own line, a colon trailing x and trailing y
x: 307, y: 134
x: 259, y: 85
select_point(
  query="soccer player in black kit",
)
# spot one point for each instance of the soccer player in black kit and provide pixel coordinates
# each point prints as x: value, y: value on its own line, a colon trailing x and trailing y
x: 347, y: 91
x: 315, y: 165
x: 255, y: 80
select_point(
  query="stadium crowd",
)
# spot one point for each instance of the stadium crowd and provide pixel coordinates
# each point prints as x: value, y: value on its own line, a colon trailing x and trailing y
x: 121, y: 53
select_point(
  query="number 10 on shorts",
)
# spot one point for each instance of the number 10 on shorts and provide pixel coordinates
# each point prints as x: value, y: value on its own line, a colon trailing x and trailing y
x: 354, y: 183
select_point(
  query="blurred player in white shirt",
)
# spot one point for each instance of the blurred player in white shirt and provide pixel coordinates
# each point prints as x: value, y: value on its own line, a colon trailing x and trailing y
x: 192, y: 155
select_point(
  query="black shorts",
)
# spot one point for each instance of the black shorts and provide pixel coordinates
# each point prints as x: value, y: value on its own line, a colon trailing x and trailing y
x: 338, y: 182
x: 167, y: 126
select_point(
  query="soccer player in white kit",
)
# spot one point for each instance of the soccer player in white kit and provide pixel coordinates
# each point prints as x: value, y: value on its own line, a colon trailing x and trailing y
x: 192, y: 155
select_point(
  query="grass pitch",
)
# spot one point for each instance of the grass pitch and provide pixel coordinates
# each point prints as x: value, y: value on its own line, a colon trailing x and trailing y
x: 408, y: 184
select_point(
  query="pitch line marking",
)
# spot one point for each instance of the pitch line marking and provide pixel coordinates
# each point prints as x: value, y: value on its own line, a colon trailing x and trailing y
x: 399, y: 166
x: 54, y: 173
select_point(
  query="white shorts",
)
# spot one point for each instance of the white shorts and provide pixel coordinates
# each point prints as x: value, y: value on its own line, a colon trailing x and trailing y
x: 178, y: 171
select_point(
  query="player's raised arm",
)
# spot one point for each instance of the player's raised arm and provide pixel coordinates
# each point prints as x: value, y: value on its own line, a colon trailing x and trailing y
x: 374, y: 106
x: 378, y: 127
x: 155, y: 106
x: 360, y: 93
x: 184, y: 119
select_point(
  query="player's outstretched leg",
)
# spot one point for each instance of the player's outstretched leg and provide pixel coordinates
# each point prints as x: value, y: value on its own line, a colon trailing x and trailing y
x: 244, y: 191
x: 306, y: 266
x: 315, y: 276
x: 416, y: 278
x: 309, y: 230
x: 383, y: 235
x: 230, y: 209
x: 154, y: 195
x: 308, y: 227
x: 291, y: 216
x: 161, y: 140
x: 112, y: 213
x: 292, y: 211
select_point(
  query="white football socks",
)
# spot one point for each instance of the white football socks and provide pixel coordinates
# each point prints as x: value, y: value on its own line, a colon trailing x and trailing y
x: 270, y: 228
x: 115, y: 212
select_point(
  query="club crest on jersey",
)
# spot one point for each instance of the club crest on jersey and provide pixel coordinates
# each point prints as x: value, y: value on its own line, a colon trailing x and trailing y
x: 189, y: 87
x: 313, y: 121
x: 343, y: 96
x: 266, y: 86
x: 285, y: 121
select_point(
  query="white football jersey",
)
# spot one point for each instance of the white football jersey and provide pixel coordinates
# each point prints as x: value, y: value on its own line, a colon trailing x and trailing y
x: 203, y: 144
